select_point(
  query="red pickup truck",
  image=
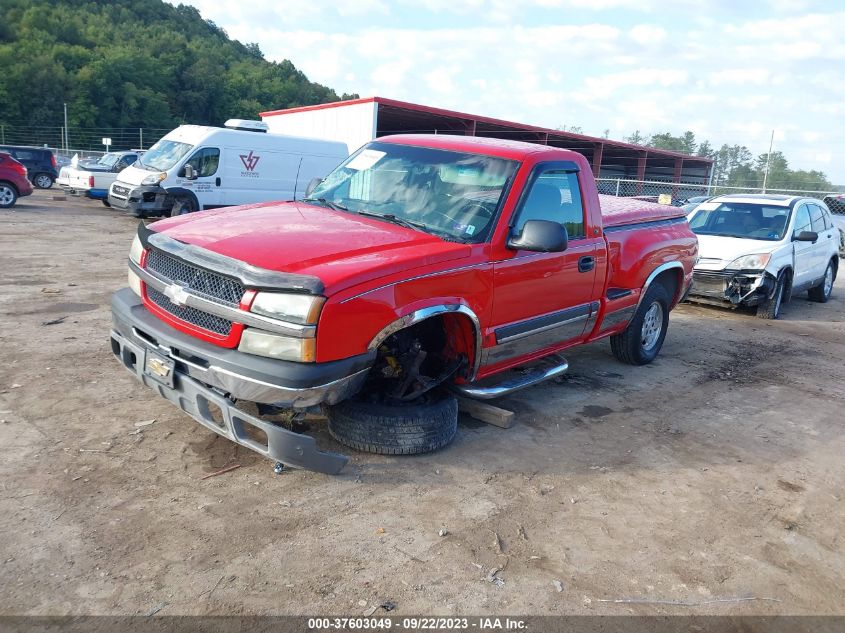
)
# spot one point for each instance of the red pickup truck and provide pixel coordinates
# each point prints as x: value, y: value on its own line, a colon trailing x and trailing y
x: 422, y: 266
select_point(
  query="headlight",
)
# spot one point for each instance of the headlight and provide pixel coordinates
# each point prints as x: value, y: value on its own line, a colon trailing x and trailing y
x: 303, y: 350
x: 751, y: 262
x: 135, y: 283
x: 302, y: 309
x: 154, y: 179
x: 136, y: 250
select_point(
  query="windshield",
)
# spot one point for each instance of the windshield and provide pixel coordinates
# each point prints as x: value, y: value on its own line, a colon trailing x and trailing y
x: 108, y: 160
x: 742, y: 220
x: 163, y: 155
x: 451, y: 194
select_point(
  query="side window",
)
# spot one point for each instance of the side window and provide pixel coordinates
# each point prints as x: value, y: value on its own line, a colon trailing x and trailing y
x: 802, y: 220
x: 817, y: 218
x: 554, y: 196
x: 205, y: 161
x: 23, y: 154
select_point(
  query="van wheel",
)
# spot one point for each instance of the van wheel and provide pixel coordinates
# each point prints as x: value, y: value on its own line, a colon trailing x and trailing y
x: 8, y: 196
x: 640, y: 342
x: 411, y: 428
x: 182, y: 205
x: 43, y: 181
x: 821, y: 293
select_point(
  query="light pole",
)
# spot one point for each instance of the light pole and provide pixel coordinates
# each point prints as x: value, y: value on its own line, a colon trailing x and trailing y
x: 67, y: 142
x: 768, y: 161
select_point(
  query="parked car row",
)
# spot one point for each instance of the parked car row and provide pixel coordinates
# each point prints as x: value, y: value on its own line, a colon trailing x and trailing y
x: 14, y: 183
x: 40, y: 163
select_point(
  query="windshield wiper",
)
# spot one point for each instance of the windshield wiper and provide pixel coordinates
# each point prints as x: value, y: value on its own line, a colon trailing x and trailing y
x: 410, y: 224
x: 327, y: 203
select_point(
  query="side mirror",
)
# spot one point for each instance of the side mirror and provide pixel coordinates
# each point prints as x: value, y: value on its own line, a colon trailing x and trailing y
x: 120, y: 166
x: 542, y: 236
x: 806, y: 236
x: 312, y: 186
x: 190, y: 174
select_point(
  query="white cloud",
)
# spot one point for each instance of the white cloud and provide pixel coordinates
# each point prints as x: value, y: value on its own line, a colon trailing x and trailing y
x: 619, y: 64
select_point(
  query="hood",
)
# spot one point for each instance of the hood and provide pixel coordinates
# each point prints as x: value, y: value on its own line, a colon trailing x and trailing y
x: 341, y: 249
x: 134, y: 175
x: 716, y: 252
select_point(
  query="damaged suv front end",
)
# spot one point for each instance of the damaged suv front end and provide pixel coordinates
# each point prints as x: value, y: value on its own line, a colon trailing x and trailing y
x: 743, y: 281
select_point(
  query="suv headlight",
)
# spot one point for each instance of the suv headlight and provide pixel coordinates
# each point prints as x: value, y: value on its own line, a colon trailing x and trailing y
x: 154, y: 179
x: 751, y: 262
x: 293, y: 308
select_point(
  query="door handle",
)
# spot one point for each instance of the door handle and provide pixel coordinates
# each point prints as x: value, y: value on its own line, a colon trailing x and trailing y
x: 586, y: 263
x: 217, y: 181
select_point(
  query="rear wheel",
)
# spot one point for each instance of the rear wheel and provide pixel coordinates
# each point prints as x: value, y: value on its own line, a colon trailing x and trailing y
x: 409, y: 428
x: 770, y: 308
x: 43, y: 181
x: 821, y: 293
x: 641, y: 341
x: 8, y: 195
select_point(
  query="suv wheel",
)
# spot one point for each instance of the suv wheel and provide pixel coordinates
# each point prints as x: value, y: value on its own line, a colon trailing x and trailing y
x: 770, y: 309
x: 43, y: 181
x: 8, y: 196
x: 821, y: 293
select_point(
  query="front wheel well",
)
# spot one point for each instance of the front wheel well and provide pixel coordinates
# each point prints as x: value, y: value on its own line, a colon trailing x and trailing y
x: 422, y: 356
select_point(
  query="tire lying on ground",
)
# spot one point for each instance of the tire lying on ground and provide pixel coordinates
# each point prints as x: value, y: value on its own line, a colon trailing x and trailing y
x: 425, y: 425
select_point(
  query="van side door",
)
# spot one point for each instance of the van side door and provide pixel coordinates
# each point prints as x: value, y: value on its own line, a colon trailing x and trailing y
x: 207, y: 184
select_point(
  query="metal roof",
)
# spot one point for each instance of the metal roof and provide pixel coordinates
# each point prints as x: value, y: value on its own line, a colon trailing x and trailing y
x: 499, y: 123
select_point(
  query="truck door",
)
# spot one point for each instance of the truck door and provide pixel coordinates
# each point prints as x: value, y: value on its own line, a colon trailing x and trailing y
x: 541, y: 300
x: 207, y: 185
x: 804, y: 252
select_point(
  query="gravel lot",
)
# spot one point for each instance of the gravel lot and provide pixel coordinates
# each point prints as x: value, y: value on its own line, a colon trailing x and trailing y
x: 714, y: 477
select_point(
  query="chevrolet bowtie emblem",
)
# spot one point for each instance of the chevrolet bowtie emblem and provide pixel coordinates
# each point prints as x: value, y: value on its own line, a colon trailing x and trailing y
x: 177, y: 294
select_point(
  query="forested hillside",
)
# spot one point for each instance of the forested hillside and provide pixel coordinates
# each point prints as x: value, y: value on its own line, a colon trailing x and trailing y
x: 134, y: 63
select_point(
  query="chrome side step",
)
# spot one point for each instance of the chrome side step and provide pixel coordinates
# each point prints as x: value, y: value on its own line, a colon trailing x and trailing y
x: 509, y: 385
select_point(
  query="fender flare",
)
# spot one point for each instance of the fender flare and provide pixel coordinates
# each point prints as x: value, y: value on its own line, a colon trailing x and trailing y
x: 655, y: 273
x: 418, y: 316
x: 181, y: 191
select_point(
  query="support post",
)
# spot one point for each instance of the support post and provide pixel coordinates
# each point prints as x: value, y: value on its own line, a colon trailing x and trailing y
x: 641, y: 162
x: 597, y: 157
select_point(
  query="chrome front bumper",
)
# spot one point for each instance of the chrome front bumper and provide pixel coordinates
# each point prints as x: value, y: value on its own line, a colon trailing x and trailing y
x: 207, y: 378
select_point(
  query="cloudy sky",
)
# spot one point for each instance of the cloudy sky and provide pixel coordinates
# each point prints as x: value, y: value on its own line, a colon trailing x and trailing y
x: 732, y: 71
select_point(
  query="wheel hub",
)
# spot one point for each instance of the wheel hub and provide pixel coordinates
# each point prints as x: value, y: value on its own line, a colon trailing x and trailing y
x: 652, y: 326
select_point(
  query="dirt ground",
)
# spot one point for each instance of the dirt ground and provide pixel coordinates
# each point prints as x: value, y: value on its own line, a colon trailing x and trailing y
x: 713, y: 477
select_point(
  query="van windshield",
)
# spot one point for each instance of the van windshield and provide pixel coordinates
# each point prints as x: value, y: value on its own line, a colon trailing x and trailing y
x: 163, y: 155
x: 454, y: 195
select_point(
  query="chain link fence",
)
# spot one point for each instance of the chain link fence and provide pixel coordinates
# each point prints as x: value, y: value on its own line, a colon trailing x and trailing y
x: 79, y: 140
x: 680, y: 192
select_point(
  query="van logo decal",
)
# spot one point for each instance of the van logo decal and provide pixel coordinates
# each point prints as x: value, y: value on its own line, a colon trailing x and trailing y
x: 250, y: 160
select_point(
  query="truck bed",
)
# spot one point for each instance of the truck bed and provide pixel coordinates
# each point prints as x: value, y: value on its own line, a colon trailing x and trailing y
x: 617, y: 211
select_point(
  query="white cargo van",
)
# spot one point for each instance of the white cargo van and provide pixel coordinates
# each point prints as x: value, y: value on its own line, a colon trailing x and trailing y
x: 196, y: 167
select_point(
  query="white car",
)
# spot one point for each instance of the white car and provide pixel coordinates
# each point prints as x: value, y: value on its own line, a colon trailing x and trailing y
x: 761, y: 250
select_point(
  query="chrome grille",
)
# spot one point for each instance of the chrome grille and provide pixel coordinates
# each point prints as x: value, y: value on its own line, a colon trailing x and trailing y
x: 200, y: 281
x: 206, y: 321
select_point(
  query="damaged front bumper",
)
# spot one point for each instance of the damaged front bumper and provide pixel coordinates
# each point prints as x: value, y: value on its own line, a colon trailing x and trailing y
x: 205, y: 381
x: 732, y: 287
